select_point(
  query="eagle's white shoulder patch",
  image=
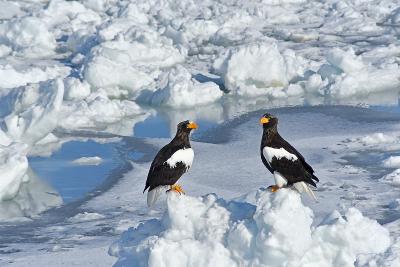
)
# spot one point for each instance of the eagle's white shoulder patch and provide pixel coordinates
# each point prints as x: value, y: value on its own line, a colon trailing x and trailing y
x: 184, y: 155
x: 278, y: 153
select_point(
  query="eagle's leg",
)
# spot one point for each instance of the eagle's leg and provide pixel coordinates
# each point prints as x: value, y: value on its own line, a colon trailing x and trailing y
x: 273, y: 188
x: 177, y: 188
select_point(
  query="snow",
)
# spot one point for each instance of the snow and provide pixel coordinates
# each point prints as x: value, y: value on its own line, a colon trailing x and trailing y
x: 13, y: 166
x: 392, y: 162
x: 275, y: 229
x: 378, y: 138
x: 98, y: 111
x: 9, y: 10
x: 33, y: 197
x: 84, y: 68
x: 88, y: 161
x: 182, y: 90
x: 15, y: 74
x: 325, y: 145
x: 34, y: 111
x: 127, y: 67
x: 28, y: 36
x: 392, y: 178
x: 75, y: 89
x: 258, y: 69
x: 185, y: 156
x: 31, y: 114
x: 357, y: 78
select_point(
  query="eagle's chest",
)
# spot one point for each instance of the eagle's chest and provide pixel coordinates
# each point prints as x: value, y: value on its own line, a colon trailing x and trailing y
x: 271, y: 153
x: 184, y: 155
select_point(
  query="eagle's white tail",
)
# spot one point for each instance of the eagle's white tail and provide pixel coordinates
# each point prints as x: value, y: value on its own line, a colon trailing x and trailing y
x: 153, y: 195
x: 303, y: 187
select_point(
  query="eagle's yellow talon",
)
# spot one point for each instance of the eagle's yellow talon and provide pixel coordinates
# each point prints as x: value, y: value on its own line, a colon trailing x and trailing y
x: 273, y: 188
x: 177, y: 188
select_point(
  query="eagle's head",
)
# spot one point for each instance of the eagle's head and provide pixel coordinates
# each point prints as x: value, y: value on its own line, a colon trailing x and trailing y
x: 186, y: 127
x: 268, y: 121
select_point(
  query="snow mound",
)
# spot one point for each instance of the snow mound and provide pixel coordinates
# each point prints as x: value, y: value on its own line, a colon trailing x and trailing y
x: 392, y: 162
x: 392, y: 178
x: 99, y: 112
x: 28, y: 36
x: 33, y: 111
x: 356, y: 78
x: 378, y: 138
x: 14, y: 74
x: 258, y: 69
x: 13, y: 166
x: 131, y: 62
x: 182, y: 90
x: 27, y: 116
x: 273, y: 230
x: 75, y: 89
x: 381, y: 141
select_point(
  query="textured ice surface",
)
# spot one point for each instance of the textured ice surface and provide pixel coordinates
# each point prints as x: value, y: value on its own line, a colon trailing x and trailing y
x: 346, y: 183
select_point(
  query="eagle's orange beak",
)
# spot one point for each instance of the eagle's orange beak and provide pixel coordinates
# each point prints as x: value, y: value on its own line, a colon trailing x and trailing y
x: 264, y: 120
x: 192, y: 125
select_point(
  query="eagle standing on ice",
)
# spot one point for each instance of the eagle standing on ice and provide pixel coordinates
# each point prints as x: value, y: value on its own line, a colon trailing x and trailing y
x: 170, y: 163
x: 286, y: 164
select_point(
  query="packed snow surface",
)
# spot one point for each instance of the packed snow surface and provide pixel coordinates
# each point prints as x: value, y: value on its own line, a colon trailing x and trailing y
x: 333, y: 141
x: 273, y: 229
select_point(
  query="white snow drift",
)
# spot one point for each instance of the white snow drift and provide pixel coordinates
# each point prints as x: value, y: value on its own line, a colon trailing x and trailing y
x: 258, y: 69
x: 182, y: 90
x: 273, y: 230
x: 30, y: 115
x: 392, y: 178
x: 28, y: 36
x: 358, y: 78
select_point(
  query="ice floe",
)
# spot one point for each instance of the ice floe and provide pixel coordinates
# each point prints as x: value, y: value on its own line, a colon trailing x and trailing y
x: 88, y: 161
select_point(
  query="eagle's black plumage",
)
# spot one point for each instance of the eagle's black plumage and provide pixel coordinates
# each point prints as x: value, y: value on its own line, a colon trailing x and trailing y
x: 292, y: 170
x: 160, y: 172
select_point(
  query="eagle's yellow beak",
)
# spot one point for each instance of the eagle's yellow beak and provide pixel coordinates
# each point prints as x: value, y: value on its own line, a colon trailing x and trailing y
x: 264, y: 120
x: 192, y: 125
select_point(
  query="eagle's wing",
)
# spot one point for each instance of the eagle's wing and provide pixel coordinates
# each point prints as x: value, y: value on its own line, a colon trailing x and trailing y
x: 292, y: 150
x: 294, y: 169
x: 160, y: 172
x: 299, y: 156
